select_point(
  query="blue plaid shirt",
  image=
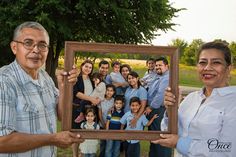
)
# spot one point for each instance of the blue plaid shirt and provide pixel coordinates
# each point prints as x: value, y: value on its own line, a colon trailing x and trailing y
x: 27, y: 106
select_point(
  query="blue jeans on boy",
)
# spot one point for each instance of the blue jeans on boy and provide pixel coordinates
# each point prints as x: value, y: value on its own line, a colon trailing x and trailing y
x: 112, y: 148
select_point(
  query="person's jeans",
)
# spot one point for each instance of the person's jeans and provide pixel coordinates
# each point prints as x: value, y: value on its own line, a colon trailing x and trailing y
x: 89, y: 155
x: 102, y: 148
x: 156, y: 150
x: 112, y: 148
x: 132, y: 149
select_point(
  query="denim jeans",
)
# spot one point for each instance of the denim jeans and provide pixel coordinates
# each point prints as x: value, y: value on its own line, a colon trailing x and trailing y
x: 132, y: 149
x: 89, y: 155
x: 157, y: 150
x: 112, y: 148
x: 102, y: 148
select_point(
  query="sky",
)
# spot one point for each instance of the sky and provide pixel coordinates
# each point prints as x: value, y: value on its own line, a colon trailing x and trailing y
x: 203, y: 19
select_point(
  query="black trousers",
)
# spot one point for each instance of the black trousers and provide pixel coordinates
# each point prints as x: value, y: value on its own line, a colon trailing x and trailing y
x: 132, y: 149
x: 157, y: 150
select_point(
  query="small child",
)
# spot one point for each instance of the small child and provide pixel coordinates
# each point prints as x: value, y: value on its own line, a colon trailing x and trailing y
x: 98, y: 93
x: 106, y: 105
x: 150, y: 75
x: 103, y: 110
x: 89, y: 147
x: 100, y: 87
x: 132, y: 147
x: 113, y: 123
x: 117, y: 78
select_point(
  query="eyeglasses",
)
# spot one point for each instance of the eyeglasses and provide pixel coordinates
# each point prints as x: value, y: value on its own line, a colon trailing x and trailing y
x: 29, y: 45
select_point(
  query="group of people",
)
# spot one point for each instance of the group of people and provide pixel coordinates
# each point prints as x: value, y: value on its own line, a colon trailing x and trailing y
x: 120, y: 100
x: 30, y: 103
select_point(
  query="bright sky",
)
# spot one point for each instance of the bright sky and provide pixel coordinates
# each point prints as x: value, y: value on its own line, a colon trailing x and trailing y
x: 203, y: 19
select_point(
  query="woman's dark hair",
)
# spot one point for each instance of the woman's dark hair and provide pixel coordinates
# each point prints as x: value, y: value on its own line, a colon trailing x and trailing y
x: 82, y: 64
x: 134, y: 74
x: 150, y: 59
x: 221, y: 46
x: 125, y: 65
x: 134, y: 99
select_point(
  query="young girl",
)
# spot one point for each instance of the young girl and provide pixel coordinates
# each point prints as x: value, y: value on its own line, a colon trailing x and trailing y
x: 132, y: 147
x: 106, y: 105
x: 104, y: 108
x: 89, y: 147
x: 100, y: 87
x: 98, y: 93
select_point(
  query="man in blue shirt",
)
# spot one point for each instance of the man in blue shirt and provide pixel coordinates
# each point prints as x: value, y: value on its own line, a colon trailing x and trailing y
x: 156, y: 104
x: 104, y: 69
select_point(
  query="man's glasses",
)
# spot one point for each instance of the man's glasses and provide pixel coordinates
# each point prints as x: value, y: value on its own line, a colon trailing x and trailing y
x: 29, y: 45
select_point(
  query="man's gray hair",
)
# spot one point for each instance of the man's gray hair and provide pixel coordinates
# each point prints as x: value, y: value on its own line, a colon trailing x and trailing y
x: 28, y: 24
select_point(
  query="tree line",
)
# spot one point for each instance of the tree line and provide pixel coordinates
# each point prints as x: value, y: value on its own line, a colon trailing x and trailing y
x: 188, y: 51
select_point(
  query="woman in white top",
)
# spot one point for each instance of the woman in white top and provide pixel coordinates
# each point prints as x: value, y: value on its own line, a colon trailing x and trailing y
x: 207, y: 120
x: 81, y: 97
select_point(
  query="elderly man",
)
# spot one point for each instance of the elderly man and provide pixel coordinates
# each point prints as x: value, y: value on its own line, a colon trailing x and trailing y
x: 29, y: 100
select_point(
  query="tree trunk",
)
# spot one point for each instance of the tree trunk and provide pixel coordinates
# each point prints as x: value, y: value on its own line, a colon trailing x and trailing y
x: 52, y: 62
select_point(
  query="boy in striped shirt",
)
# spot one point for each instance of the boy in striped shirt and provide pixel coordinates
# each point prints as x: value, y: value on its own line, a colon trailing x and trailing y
x: 113, y: 123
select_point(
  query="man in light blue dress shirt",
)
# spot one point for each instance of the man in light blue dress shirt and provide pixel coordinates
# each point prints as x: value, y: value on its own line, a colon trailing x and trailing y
x: 156, y: 106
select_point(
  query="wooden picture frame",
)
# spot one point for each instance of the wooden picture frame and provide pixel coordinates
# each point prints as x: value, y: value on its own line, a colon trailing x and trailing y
x: 71, y: 47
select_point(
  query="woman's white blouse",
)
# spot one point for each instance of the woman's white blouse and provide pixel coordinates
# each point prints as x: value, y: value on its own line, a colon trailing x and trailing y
x: 207, y: 126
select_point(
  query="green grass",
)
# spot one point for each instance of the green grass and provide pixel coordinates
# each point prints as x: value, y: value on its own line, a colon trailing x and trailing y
x: 188, y: 76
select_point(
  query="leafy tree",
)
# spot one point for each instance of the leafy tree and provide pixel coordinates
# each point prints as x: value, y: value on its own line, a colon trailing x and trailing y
x: 232, y: 47
x: 181, y: 44
x: 114, y: 21
x: 190, y: 53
